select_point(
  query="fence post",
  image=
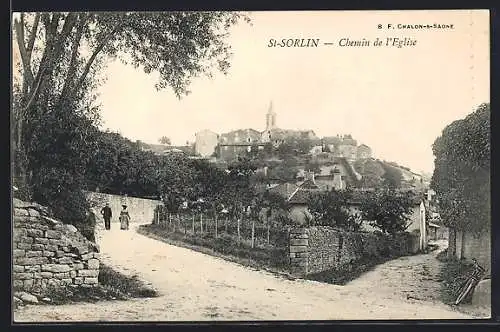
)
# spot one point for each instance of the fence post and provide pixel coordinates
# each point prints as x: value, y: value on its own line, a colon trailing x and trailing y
x: 216, y: 224
x: 193, y: 223
x: 253, y: 232
x: 225, y: 224
x: 239, y: 236
x: 201, y: 223
x: 268, y: 231
x: 170, y: 221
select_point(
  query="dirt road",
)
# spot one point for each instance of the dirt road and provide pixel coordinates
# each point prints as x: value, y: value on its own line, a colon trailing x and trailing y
x: 197, y: 287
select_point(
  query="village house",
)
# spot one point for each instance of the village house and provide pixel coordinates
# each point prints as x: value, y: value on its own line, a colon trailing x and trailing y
x: 205, y: 143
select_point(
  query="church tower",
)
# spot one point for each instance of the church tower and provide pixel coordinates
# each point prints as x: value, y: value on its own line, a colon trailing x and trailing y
x: 270, y: 118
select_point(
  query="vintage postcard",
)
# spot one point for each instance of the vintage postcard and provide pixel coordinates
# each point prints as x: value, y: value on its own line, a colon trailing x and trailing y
x: 250, y: 166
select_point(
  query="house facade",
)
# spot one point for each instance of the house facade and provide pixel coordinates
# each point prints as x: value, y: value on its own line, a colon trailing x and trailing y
x: 205, y: 142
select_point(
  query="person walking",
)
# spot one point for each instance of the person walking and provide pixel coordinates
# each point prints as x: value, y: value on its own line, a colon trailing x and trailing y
x: 124, y: 218
x: 107, y: 214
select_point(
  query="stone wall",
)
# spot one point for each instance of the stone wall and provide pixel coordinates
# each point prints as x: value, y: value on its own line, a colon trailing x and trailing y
x: 321, y: 248
x: 141, y: 210
x: 47, y: 252
x: 470, y: 245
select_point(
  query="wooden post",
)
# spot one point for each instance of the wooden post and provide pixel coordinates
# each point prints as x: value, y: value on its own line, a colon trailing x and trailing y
x: 201, y: 223
x: 253, y: 232
x: 170, y: 221
x: 193, y: 224
x: 184, y: 224
x: 215, y: 224
x: 225, y: 224
x: 178, y: 223
x: 239, y: 235
x: 268, y: 232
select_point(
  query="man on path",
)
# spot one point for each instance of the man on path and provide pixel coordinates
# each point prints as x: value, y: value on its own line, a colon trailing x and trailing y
x: 107, y: 214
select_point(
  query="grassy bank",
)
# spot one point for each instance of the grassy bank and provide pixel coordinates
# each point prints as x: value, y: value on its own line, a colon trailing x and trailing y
x: 112, y: 286
x: 271, y: 258
x: 348, y: 272
x: 454, y: 274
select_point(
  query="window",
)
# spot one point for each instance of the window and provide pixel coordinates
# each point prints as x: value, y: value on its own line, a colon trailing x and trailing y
x: 249, y: 140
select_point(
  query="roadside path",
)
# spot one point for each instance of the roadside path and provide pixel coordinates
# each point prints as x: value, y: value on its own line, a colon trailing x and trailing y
x: 198, y: 287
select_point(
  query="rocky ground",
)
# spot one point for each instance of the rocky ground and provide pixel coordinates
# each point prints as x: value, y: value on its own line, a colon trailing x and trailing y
x: 198, y: 287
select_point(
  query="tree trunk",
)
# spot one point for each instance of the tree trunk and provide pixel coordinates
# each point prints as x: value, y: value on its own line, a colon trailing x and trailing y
x: 462, y: 245
x: 452, y: 243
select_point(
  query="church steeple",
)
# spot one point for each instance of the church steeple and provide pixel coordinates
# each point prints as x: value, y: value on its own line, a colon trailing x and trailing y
x: 270, y: 117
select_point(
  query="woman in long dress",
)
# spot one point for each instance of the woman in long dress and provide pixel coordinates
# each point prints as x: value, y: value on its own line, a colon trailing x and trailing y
x: 124, y: 218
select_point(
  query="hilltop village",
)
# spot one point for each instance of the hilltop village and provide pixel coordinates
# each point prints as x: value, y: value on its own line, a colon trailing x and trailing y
x: 293, y: 156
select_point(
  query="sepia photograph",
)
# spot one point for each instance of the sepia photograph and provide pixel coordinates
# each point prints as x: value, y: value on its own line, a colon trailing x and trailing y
x: 228, y: 166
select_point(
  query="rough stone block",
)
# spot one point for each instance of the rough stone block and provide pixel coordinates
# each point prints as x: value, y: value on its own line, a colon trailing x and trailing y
x: 18, y: 284
x: 90, y: 281
x: 293, y: 255
x: 28, y: 284
x: 18, y: 253
x: 56, y: 242
x: 26, y: 239
x: 49, y: 253
x: 17, y: 232
x: 72, y: 274
x: 37, y: 247
x: 78, y: 266
x: 299, y: 242
x: 65, y: 260
x: 93, y: 264
x: 41, y: 240
x: 21, y: 212
x: 51, y: 247
x: 66, y: 281
x: 96, y: 255
x: 23, y: 275
x: 45, y: 275
x: 87, y: 256
x: 59, y: 253
x: 36, y: 233
x: 31, y: 261
x: 78, y: 280
x: 33, y: 253
x: 298, y: 248
x: 17, y: 268
x: 53, y: 282
x: 55, y: 268
x: 66, y: 249
x: 63, y: 275
x: 33, y: 213
x: 33, y: 268
x: 24, y: 246
x: 88, y: 273
x: 52, y: 234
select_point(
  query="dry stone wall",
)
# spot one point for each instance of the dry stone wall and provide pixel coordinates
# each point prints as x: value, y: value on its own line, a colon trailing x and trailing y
x: 47, y: 252
x: 321, y: 248
x: 141, y: 210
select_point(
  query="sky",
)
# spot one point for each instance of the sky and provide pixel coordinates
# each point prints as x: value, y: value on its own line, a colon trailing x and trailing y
x: 395, y: 100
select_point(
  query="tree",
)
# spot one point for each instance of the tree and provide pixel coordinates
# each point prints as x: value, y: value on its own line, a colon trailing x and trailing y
x: 392, y: 177
x: 165, y: 140
x: 387, y: 209
x: 332, y: 208
x: 461, y: 175
x: 61, y: 54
